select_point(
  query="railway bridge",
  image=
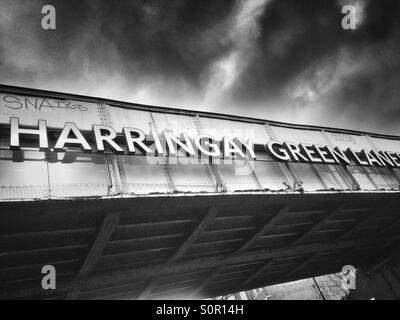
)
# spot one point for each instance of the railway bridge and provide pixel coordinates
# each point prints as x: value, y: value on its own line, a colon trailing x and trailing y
x: 111, y: 194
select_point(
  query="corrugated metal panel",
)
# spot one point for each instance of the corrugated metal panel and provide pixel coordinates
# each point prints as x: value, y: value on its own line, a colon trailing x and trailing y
x: 121, y: 117
x: 192, y: 178
x: 237, y: 175
x: 23, y: 175
x: 143, y: 178
x: 219, y: 128
x: 55, y: 111
x: 78, y: 175
x: 271, y: 176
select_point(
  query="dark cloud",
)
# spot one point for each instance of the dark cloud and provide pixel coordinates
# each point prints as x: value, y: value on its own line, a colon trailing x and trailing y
x: 166, y: 38
x: 287, y: 60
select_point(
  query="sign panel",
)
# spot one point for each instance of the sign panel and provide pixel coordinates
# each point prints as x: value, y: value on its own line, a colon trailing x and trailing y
x: 152, y: 151
x: 348, y: 151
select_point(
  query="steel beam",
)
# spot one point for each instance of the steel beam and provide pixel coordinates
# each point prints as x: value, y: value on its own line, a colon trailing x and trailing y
x: 105, y: 232
x: 113, y: 278
x: 318, y: 225
x: 212, y: 213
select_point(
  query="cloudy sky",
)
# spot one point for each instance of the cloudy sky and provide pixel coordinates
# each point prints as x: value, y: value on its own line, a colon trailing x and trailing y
x: 285, y: 60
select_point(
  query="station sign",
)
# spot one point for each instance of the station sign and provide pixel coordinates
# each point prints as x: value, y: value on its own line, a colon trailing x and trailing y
x: 103, y: 138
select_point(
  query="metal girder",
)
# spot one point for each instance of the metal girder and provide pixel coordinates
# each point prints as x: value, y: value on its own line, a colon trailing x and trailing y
x: 359, y: 226
x: 246, y: 245
x: 268, y: 226
x: 301, y: 265
x: 318, y: 225
x: 45, y: 233
x: 260, y: 271
x: 212, y: 213
x: 116, y: 277
x: 110, y: 222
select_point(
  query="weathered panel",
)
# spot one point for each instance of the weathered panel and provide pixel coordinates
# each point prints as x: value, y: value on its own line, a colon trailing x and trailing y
x: 192, y: 178
x: 396, y: 172
x: 87, y: 175
x: 131, y: 118
x: 237, y: 175
x: 219, y: 128
x: 308, y: 177
x: 23, y: 175
x: 386, y: 144
x: 78, y: 175
x: 362, y: 178
x: 299, y: 136
x: 383, y: 178
x: 331, y: 177
x: 175, y: 123
x: 344, y: 141
x: 271, y: 176
x: 56, y: 112
x: 143, y: 178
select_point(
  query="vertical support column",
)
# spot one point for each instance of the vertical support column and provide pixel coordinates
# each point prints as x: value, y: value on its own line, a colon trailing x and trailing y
x: 287, y: 168
x: 343, y: 170
x: 46, y: 158
x: 167, y: 174
x: 112, y: 161
x: 213, y: 171
x: 166, y: 169
x: 253, y: 175
x: 272, y: 134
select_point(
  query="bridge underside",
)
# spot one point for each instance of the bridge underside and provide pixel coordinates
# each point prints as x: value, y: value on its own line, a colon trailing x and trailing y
x: 189, y: 246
